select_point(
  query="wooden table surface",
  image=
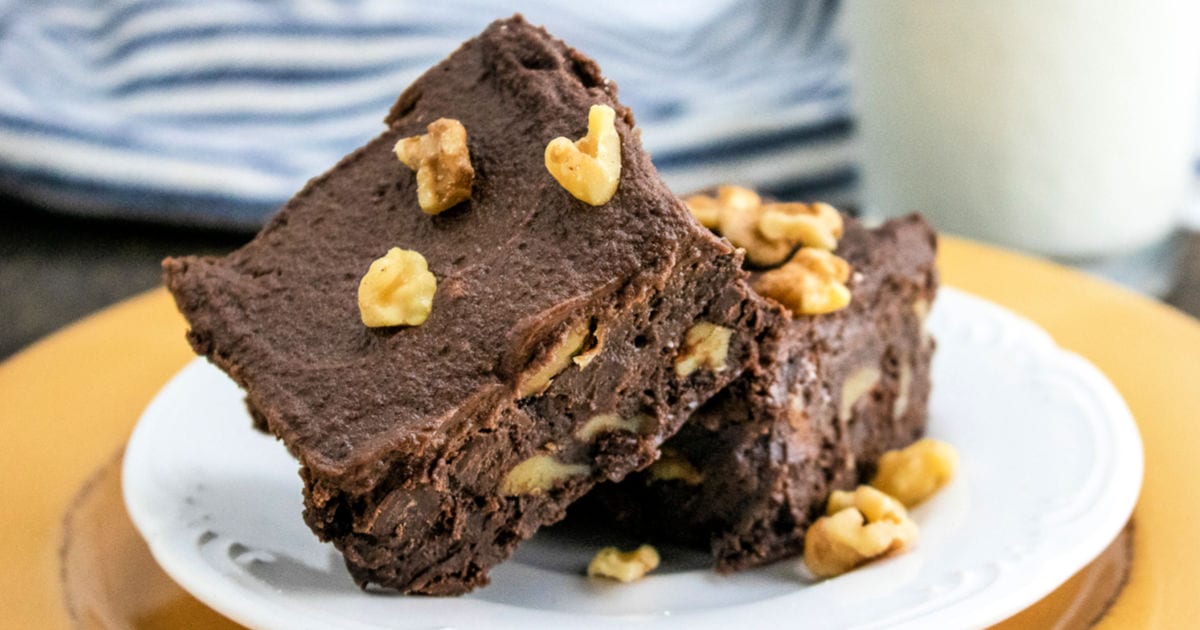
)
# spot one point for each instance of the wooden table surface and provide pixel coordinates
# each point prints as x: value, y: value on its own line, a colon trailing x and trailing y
x: 56, y: 268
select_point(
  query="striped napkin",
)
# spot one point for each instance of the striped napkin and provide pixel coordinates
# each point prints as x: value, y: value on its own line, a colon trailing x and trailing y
x: 215, y: 112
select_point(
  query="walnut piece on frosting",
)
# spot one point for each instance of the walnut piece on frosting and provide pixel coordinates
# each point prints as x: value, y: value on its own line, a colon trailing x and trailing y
x: 397, y: 290
x: 813, y: 282
x: 769, y: 232
x: 816, y: 225
x: 442, y: 162
x: 741, y: 209
x: 589, y: 168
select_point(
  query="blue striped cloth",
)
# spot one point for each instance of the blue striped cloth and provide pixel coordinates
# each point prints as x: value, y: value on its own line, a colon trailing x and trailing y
x: 217, y: 111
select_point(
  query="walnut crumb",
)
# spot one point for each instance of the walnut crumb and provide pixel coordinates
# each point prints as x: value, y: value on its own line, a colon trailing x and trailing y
x: 623, y: 566
x: 816, y: 225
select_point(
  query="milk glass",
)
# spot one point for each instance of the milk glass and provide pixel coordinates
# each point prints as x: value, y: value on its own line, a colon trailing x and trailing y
x: 1062, y: 127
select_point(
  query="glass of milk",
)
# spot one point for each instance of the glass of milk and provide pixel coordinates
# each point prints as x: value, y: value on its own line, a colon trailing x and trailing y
x: 1061, y: 127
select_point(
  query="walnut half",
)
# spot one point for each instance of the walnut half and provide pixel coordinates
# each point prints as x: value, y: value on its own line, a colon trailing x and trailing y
x: 813, y: 282
x: 769, y: 232
x: 397, y: 290
x: 914, y: 473
x: 442, y: 163
x: 589, y: 168
x: 740, y: 210
x: 859, y: 526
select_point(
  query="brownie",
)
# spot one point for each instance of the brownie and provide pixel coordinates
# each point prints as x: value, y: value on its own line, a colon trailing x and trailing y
x: 409, y: 438
x: 753, y: 467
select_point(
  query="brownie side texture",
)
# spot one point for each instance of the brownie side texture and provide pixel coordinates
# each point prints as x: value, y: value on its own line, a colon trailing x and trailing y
x: 831, y: 394
x: 406, y: 436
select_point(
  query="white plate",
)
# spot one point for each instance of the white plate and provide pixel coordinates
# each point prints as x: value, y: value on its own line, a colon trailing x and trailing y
x: 1051, y: 467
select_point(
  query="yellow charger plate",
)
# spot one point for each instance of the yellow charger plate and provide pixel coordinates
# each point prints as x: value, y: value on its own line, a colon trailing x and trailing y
x: 70, y: 556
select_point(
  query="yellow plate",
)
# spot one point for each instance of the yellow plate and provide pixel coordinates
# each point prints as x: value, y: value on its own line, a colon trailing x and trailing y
x: 67, y: 405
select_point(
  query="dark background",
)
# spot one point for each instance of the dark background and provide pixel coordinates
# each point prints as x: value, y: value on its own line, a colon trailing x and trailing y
x: 56, y: 268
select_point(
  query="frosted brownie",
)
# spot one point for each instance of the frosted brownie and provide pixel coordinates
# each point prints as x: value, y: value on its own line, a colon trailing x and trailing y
x: 753, y: 467
x: 565, y: 342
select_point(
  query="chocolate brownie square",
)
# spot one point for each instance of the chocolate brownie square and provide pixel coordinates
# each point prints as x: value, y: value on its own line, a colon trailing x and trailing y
x: 752, y: 468
x: 565, y: 342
